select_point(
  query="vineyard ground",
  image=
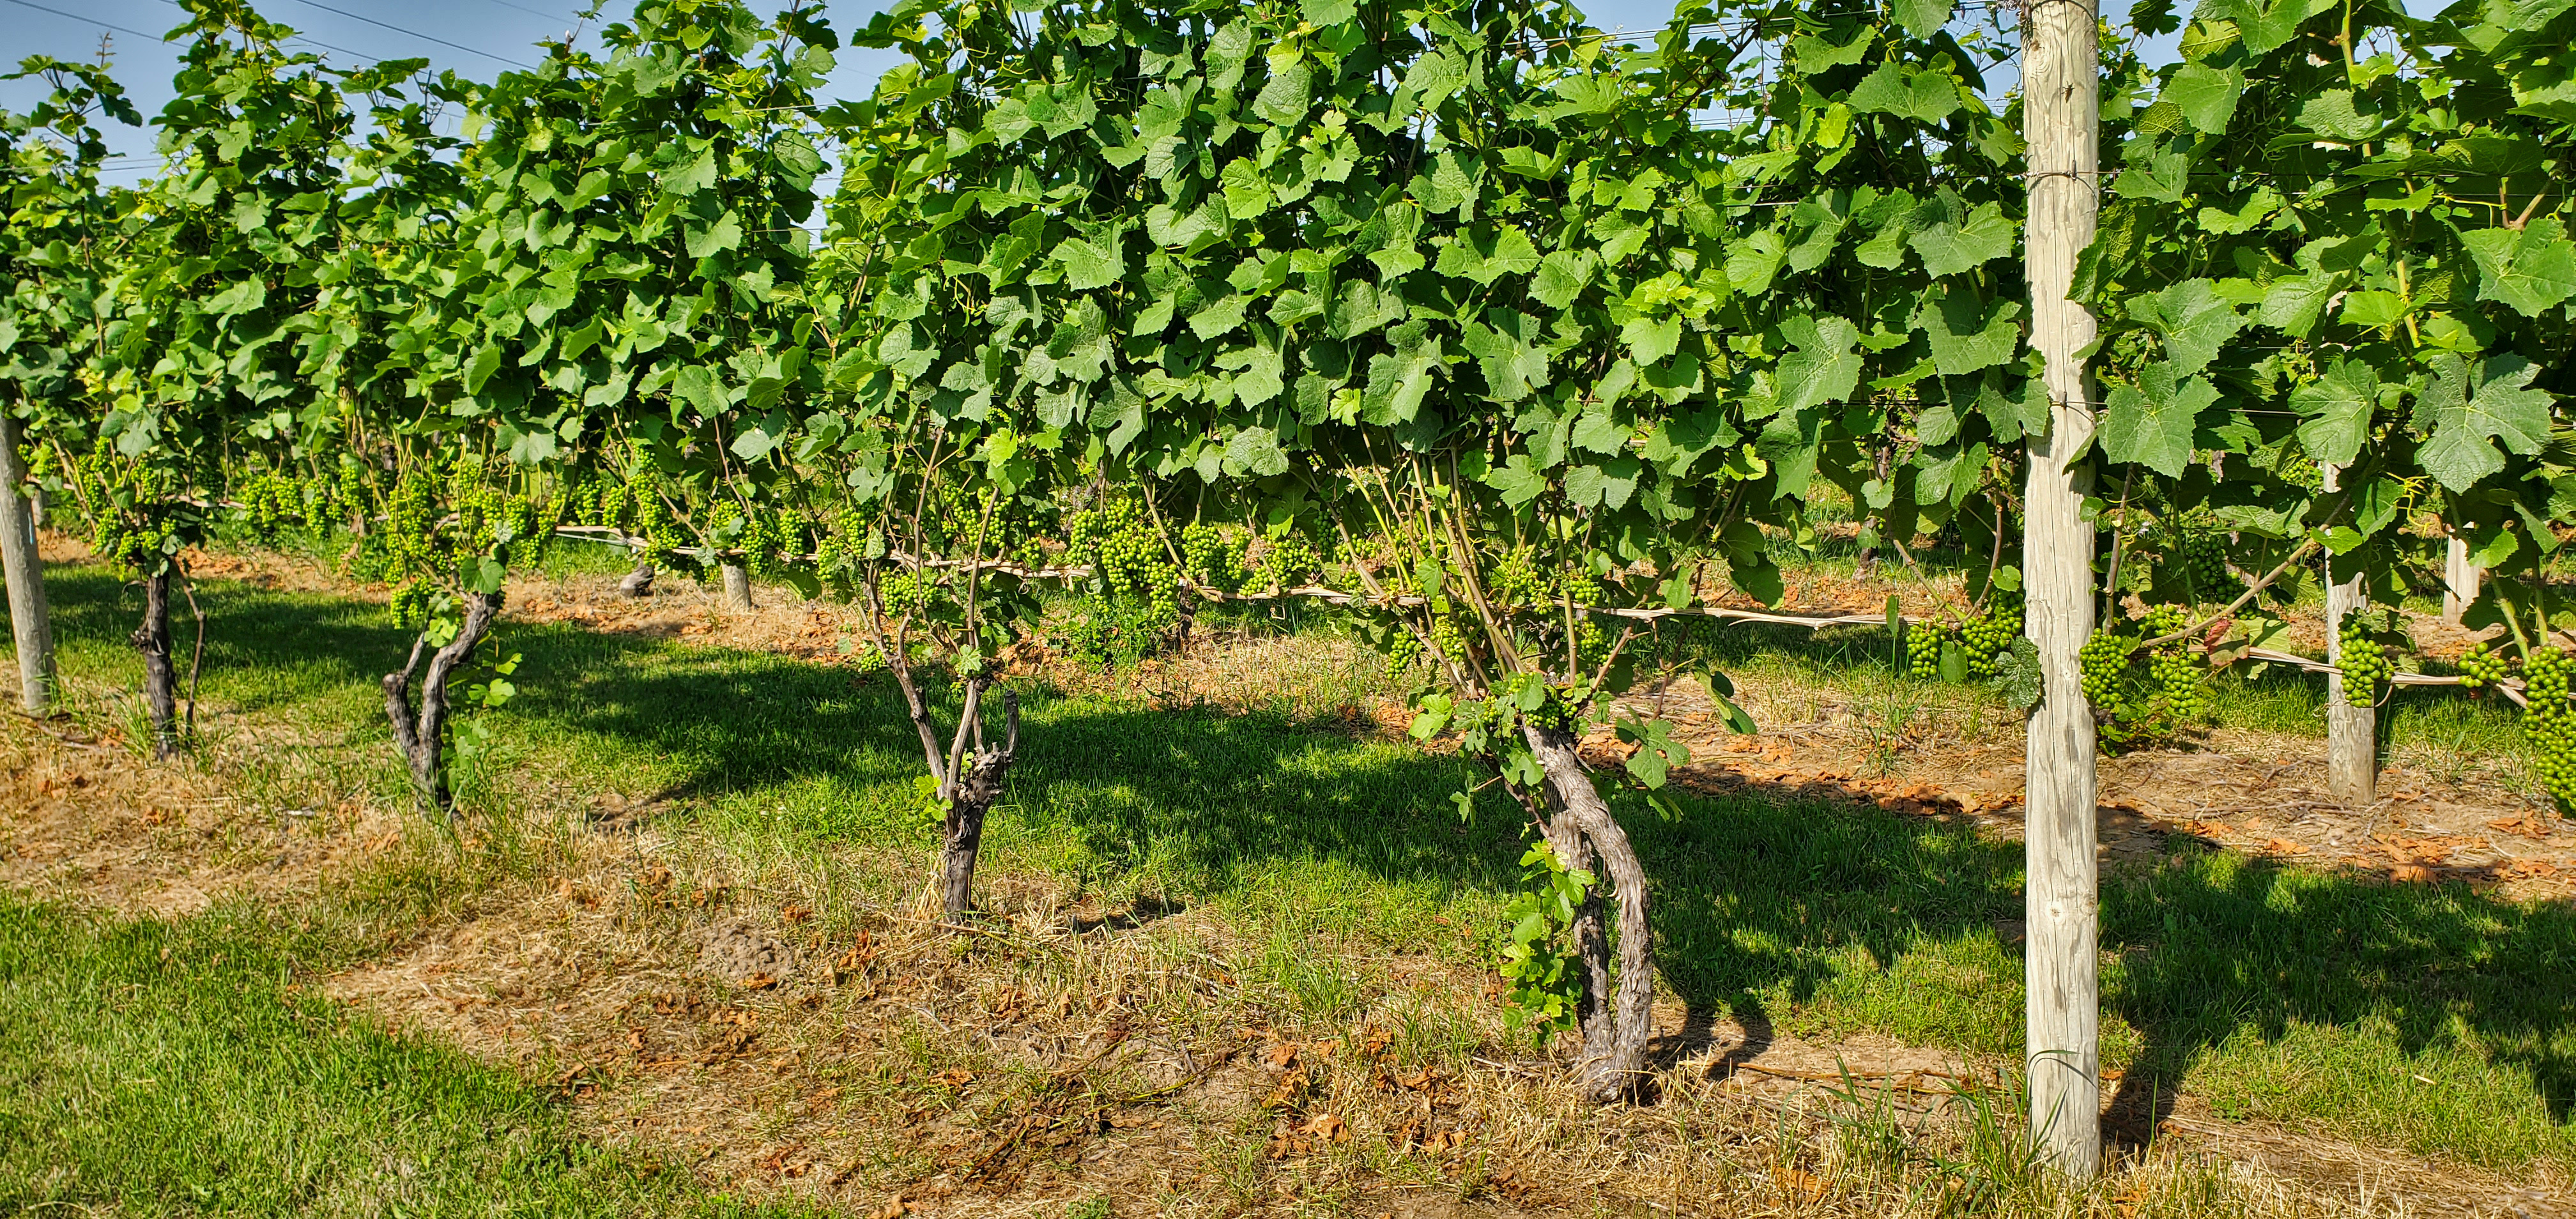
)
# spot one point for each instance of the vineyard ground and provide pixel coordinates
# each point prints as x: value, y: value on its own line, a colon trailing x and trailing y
x: 1236, y: 964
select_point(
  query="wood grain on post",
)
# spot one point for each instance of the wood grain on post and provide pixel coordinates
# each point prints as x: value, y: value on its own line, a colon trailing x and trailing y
x: 737, y: 587
x: 30, y: 623
x: 2352, y: 729
x: 2063, y: 1001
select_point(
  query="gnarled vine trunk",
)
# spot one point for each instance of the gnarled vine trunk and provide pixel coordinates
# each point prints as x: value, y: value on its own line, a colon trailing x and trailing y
x: 969, y: 789
x: 420, y: 732
x: 971, y: 795
x: 160, y: 680
x: 1618, y: 1015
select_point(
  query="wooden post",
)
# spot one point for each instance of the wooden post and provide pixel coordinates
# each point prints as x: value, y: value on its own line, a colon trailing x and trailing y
x: 2460, y: 579
x: 30, y: 623
x: 2062, y: 1005
x: 2352, y: 729
x: 737, y: 586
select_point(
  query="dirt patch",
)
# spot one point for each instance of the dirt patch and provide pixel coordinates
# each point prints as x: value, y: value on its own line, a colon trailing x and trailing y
x: 741, y: 953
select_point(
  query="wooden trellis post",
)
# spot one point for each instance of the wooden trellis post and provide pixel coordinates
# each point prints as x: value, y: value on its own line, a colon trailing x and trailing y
x: 2460, y: 579
x: 29, y: 621
x: 2061, y: 111
x: 2352, y: 728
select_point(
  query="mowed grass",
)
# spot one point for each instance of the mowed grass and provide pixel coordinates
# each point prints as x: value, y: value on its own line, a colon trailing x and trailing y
x: 2272, y: 992
x: 180, y: 1068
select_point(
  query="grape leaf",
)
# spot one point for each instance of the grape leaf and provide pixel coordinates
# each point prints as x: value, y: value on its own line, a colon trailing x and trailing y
x: 2531, y: 270
x: 1922, y: 18
x: 1825, y: 371
x: 1948, y: 249
x: 2469, y: 408
x: 2192, y: 318
x: 1923, y: 96
x: 2151, y: 422
x: 2338, y: 407
x: 2205, y: 95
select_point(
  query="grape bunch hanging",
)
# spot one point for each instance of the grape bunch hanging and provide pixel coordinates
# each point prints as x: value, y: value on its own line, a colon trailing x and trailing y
x: 2482, y: 668
x: 2548, y: 723
x: 2361, y: 659
x: 1979, y: 639
x: 1131, y: 603
x: 2144, y: 695
x: 1214, y: 557
x: 134, y: 510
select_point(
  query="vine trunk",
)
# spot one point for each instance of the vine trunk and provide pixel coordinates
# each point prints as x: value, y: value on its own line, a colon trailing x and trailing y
x: 1618, y: 1015
x: 420, y: 732
x: 160, y: 680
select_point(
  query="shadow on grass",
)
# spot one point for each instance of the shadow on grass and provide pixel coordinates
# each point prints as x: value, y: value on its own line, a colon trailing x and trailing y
x: 1813, y: 918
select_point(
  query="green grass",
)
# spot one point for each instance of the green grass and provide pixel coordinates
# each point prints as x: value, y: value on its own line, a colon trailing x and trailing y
x: 2273, y: 992
x: 178, y: 1068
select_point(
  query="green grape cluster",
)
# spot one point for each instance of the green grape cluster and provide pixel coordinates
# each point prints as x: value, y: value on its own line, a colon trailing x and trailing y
x: 1214, y: 559
x: 1132, y: 600
x: 2105, y: 659
x: 1987, y: 636
x: 271, y: 501
x: 410, y: 604
x: 2162, y: 620
x: 2548, y: 723
x: 1403, y: 651
x: 2481, y: 668
x: 1029, y: 551
x: 846, y: 547
x: 1923, y: 642
x: 352, y: 484
x: 767, y: 540
x: 601, y: 501
x: 2300, y: 470
x: 904, y: 594
x: 1448, y: 629
x: 1290, y: 561
x: 2362, y: 660
x: 2204, y: 560
x: 130, y: 509
x: 2182, y: 687
x: 660, y: 530
x: 1517, y: 583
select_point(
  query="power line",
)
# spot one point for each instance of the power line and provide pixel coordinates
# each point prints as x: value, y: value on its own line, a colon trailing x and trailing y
x: 121, y: 29
x: 300, y: 36
x: 415, y: 33
x: 525, y: 9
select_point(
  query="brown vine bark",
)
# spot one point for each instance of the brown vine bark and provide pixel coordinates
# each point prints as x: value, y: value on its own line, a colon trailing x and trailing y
x: 1618, y: 1013
x: 160, y: 680
x: 971, y: 796
x: 969, y: 789
x: 420, y: 733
